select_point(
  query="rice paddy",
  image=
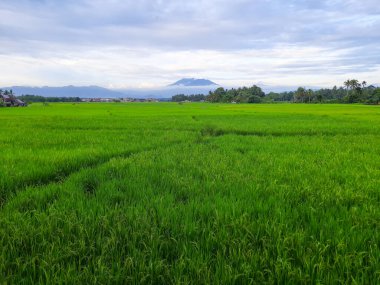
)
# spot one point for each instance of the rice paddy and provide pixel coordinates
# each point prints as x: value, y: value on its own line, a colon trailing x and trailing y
x: 166, y: 193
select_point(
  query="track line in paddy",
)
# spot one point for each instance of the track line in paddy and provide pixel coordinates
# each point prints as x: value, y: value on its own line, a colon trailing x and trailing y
x: 62, y: 176
x: 216, y: 132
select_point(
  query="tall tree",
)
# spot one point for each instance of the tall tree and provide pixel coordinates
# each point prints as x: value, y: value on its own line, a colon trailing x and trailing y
x: 347, y: 84
x: 300, y: 95
x: 309, y: 94
x: 354, y: 83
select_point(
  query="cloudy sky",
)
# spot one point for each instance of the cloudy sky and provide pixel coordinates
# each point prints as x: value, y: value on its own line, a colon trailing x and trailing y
x: 150, y: 43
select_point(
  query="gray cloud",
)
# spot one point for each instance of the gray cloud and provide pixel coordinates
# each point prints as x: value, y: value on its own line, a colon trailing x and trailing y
x: 185, y: 24
x: 49, y: 29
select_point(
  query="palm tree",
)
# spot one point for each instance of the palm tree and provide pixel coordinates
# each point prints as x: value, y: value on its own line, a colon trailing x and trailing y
x: 347, y: 84
x: 356, y: 89
x: 355, y: 84
x: 309, y: 94
x: 300, y: 94
x: 352, y: 84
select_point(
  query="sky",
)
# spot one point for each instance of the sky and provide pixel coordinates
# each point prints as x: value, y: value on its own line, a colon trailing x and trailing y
x: 146, y: 44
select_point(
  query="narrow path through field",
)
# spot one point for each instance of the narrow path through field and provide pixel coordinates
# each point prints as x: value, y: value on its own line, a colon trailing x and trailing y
x: 61, y: 176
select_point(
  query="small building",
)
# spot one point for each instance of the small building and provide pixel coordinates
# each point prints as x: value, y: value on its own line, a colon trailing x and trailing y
x: 151, y: 100
x: 7, y: 100
x: 19, y: 103
x: 11, y: 101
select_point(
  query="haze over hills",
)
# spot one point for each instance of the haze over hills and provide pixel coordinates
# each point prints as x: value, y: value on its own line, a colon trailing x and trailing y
x: 185, y: 86
x: 66, y: 91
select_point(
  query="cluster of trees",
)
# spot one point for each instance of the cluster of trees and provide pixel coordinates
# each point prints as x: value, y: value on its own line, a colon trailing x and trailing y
x: 352, y: 92
x: 252, y: 94
x: 6, y: 92
x: 192, y: 98
x: 36, y: 98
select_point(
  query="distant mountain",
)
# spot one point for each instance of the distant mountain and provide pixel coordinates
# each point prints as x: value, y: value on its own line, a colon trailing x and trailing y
x: 66, y: 91
x: 192, y: 82
x: 100, y: 92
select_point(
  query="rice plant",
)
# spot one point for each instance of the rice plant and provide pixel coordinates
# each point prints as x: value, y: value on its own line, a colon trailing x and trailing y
x: 163, y: 193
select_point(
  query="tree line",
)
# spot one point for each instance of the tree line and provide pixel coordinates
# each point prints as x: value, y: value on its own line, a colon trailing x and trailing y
x: 192, y: 98
x: 353, y: 91
x: 36, y: 98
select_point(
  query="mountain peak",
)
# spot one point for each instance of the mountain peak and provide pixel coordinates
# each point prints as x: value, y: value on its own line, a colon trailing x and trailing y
x: 193, y: 82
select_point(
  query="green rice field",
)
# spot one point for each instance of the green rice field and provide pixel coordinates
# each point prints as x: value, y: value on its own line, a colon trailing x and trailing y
x: 195, y: 193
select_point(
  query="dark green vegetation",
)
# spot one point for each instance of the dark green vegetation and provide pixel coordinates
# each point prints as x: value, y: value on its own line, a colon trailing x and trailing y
x: 352, y: 92
x: 36, y: 98
x: 193, y: 193
x: 192, y: 98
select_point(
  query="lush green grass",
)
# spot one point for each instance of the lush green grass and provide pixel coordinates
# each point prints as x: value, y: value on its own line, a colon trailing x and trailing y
x: 193, y: 193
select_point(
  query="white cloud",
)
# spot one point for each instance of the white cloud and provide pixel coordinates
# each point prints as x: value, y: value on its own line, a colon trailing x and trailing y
x: 152, y: 43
